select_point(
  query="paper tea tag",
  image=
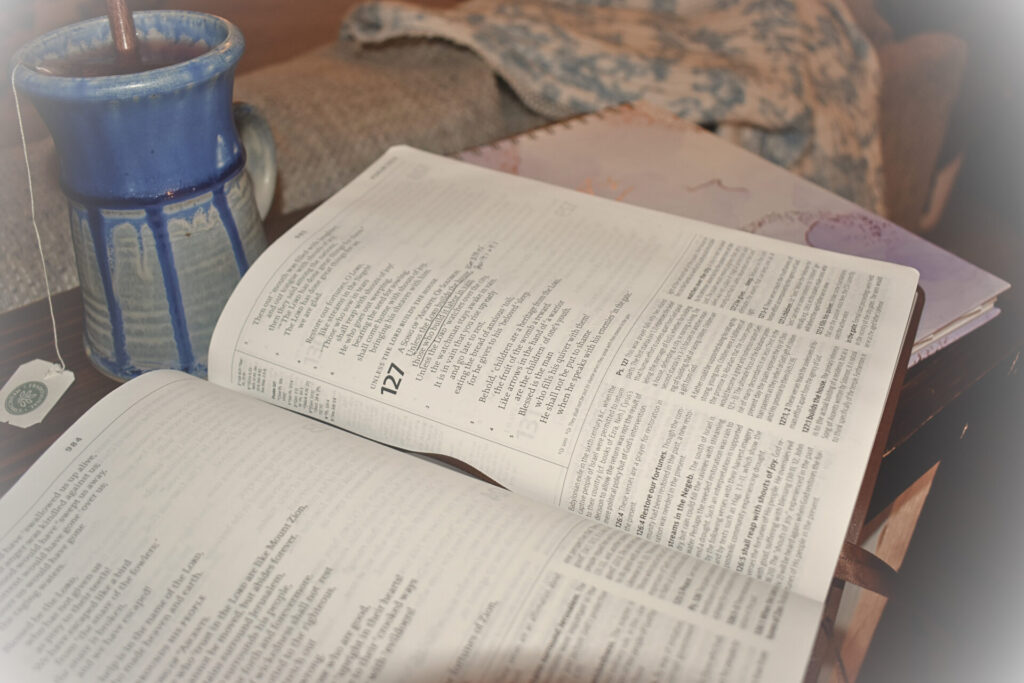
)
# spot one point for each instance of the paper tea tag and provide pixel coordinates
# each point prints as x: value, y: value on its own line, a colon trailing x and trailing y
x: 30, y: 393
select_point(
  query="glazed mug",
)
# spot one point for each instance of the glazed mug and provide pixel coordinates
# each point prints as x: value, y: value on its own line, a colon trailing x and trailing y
x: 165, y: 202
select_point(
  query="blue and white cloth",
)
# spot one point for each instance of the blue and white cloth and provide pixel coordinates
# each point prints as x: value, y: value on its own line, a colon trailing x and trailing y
x: 792, y: 80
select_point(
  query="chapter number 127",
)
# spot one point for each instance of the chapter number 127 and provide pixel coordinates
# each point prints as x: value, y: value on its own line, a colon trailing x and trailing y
x: 394, y: 377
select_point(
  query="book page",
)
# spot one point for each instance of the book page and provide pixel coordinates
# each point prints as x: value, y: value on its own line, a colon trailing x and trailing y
x: 182, y: 532
x: 714, y: 391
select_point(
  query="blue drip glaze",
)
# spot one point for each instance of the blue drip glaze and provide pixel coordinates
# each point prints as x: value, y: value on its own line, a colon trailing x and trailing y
x: 172, y: 288
x: 101, y: 246
x: 113, y: 370
x: 220, y: 201
x: 142, y: 245
x: 220, y: 177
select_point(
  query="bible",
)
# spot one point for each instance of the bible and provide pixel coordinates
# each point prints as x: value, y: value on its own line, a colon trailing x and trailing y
x: 680, y: 419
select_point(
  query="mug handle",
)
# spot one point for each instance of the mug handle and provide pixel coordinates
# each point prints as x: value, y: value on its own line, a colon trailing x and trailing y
x: 260, y: 153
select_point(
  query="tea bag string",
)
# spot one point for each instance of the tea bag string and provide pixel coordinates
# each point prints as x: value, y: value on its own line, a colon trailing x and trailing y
x: 35, y: 225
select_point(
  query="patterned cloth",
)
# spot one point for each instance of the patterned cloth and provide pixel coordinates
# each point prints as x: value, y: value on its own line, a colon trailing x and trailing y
x: 792, y: 80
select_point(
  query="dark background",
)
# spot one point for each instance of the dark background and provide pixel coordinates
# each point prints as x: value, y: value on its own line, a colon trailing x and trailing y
x: 960, y: 613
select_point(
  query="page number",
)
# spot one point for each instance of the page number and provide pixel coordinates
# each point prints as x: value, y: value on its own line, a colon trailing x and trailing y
x: 391, y: 378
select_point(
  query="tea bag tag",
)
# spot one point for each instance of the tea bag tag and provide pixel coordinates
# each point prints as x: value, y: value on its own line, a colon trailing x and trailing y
x: 36, y: 386
x: 33, y: 389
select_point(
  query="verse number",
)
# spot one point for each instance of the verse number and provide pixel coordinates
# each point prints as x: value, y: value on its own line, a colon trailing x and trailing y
x: 392, y: 379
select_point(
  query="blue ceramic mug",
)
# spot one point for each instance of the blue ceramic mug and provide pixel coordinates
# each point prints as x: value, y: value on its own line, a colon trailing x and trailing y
x: 165, y: 211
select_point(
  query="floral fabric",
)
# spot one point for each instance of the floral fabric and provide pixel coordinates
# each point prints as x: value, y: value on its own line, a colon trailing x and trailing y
x: 792, y: 80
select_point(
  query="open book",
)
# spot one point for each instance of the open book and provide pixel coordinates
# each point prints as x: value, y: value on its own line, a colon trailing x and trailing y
x: 682, y: 415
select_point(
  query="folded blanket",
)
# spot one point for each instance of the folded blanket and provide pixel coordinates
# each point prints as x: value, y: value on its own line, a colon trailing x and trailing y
x: 792, y: 80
